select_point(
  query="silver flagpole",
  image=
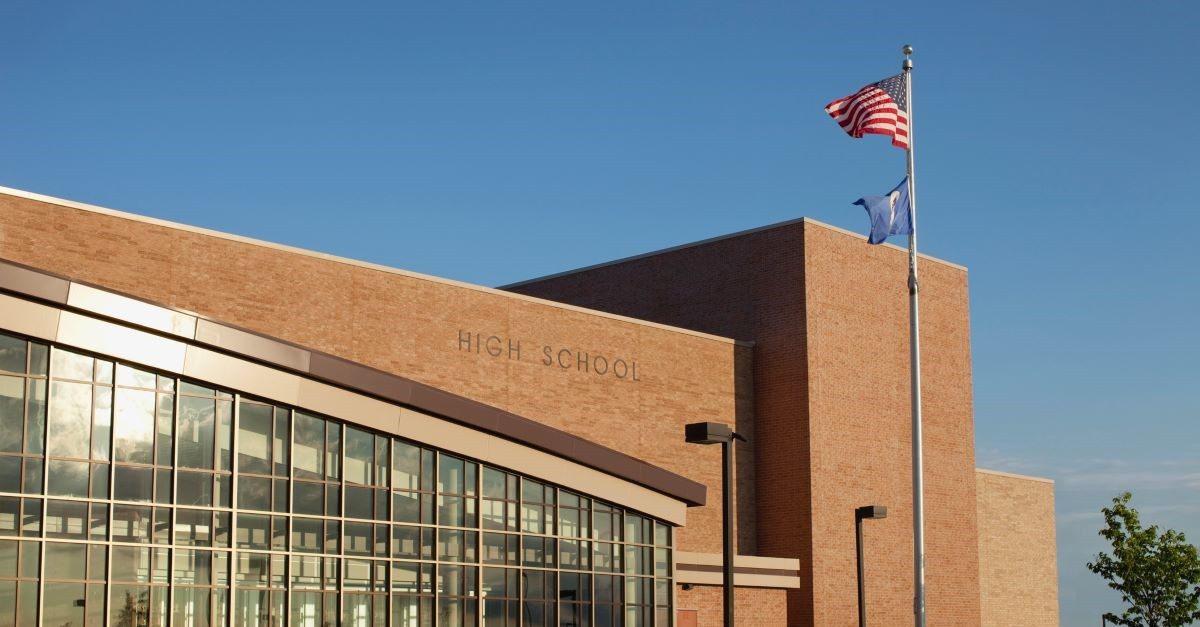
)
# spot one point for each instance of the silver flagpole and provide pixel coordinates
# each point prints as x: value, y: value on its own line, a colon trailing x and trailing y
x: 914, y: 329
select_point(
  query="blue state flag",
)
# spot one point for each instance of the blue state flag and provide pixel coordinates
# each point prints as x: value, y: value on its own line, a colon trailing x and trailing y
x: 889, y: 214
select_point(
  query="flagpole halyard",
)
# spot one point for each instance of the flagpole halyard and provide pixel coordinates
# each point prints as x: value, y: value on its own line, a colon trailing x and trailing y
x: 918, y: 466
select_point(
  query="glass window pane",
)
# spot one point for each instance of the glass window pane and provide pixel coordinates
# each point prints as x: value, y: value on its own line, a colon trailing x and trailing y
x: 197, y: 424
x: 68, y: 478
x: 283, y: 435
x: 190, y: 607
x: 662, y: 535
x: 255, y: 438
x: 129, y: 605
x: 133, y: 377
x: 63, y: 603
x: 12, y: 354
x: 104, y: 371
x: 132, y: 483
x: 12, y: 413
x: 131, y: 524
x: 307, y: 534
x: 359, y: 502
x: 10, y: 474
x: 187, y: 387
x: 162, y: 486
x: 222, y: 492
x: 224, y: 435
x: 102, y: 402
x: 406, y: 507
x: 65, y: 561
x: 66, y: 519
x: 68, y: 365
x: 308, y: 498
x: 450, y: 475
x: 532, y: 491
x: 130, y: 563
x: 634, y: 526
x: 70, y: 419
x: 193, y: 527
x: 195, y: 488
x: 493, y: 483
x: 308, y: 451
x: 406, y: 542
x: 133, y: 425
x: 166, y: 429
x: 33, y: 476
x: 39, y: 358
x: 360, y: 456
x: 254, y: 493
x: 406, y: 466
x: 35, y: 417
x: 99, y: 484
x: 253, y: 531
x: 333, y: 450
x: 8, y: 558
x: 456, y: 546
x: 10, y: 514
x: 358, y: 539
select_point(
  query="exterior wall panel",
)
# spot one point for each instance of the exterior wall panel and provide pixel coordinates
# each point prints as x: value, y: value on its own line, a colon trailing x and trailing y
x: 1018, y: 575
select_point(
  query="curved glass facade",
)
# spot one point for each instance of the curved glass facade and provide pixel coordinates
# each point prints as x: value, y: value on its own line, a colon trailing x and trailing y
x: 130, y: 499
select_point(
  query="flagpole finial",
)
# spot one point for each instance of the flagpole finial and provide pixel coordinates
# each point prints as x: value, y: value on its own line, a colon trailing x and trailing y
x: 907, y: 50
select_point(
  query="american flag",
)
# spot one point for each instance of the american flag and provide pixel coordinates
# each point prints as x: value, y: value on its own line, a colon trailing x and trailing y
x: 880, y: 108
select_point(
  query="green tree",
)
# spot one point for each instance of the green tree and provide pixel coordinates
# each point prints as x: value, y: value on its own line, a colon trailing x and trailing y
x: 1158, y: 575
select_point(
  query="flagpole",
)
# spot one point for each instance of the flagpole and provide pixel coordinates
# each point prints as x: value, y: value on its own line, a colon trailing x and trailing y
x: 918, y: 465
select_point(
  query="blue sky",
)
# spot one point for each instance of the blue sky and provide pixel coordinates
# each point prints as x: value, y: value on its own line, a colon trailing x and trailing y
x: 493, y: 142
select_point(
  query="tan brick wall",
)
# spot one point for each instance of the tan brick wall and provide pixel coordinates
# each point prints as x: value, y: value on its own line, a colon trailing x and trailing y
x: 1018, y: 570
x: 860, y: 421
x: 752, y: 607
x: 725, y: 287
x: 409, y: 325
x: 829, y: 317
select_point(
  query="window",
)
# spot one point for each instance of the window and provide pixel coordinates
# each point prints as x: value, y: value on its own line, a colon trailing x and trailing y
x: 147, y: 499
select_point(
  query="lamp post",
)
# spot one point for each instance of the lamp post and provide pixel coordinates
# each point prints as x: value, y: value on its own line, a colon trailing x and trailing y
x: 866, y: 512
x: 718, y: 433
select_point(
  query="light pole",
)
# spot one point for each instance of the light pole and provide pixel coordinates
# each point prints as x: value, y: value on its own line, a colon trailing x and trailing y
x: 718, y: 433
x: 866, y: 512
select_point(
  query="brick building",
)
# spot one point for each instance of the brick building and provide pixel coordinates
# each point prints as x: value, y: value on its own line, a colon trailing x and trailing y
x: 207, y: 429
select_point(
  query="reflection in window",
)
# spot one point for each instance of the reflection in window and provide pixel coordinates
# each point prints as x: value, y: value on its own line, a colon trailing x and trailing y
x: 332, y: 523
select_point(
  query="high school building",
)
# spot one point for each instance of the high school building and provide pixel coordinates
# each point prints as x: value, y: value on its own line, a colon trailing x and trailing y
x: 198, y: 428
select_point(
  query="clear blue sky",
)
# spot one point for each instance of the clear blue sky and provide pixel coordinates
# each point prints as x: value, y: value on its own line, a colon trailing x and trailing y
x: 1056, y: 159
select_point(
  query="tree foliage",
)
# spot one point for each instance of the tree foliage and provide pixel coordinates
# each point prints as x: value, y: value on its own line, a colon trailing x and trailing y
x: 1158, y: 575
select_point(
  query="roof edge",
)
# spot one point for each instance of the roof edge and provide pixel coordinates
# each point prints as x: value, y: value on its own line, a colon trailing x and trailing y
x: 1013, y: 475
x: 62, y: 202
x: 718, y: 238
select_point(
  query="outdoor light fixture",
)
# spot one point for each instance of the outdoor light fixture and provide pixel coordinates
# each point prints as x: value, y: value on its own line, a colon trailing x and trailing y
x: 719, y: 433
x: 866, y: 512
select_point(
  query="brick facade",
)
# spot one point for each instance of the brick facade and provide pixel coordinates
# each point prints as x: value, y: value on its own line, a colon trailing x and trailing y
x: 1018, y: 585
x: 409, y: 325
x: 754, y: 607
x: 816, y: 375
x: 828, y: 317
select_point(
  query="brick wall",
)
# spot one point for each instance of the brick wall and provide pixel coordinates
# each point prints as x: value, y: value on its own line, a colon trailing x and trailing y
x: 409, y: 325
x: 1018, y: 573
x: 829, y: 318
x: 752, y: 607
